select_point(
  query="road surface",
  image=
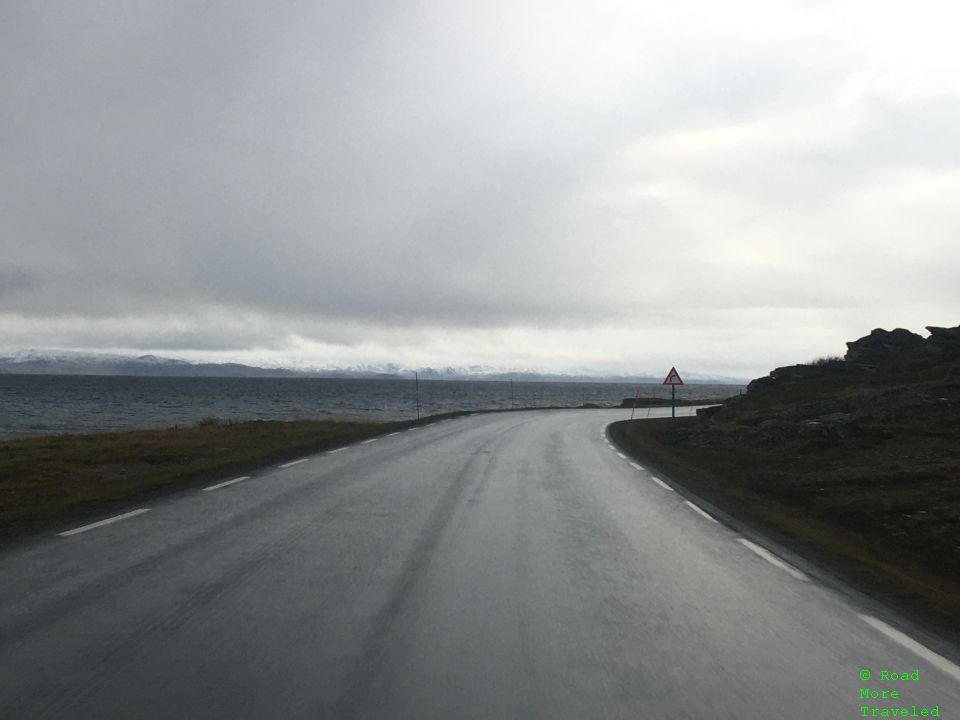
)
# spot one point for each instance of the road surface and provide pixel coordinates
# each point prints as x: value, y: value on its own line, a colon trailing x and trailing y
x: 507, y: 565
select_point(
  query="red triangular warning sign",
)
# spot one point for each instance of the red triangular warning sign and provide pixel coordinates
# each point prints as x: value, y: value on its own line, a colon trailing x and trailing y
x: 673, y: 378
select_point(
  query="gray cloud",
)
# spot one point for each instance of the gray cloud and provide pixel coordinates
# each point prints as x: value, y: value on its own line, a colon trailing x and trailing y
x: 343, y: 171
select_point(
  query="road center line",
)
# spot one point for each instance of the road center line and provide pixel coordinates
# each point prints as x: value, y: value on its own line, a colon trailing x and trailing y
x: 700, y: 511
x: 294, y: 462
x: 913, y: 646
x: 101, y: 523
x: 772, y: 559
x: 224, y: 484
x: 661, y: 483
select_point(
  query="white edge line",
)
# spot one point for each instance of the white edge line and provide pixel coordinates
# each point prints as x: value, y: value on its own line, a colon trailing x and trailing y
x: 772, y: 559
x: 367, y: 442
x: 637, y: 467
x: 295, y: 462
x: 331, y: 452
x: 661, y: 483
x: 224, y: 484
x: 700, y: 511
x: 909, y: 643
x: 101, y: 523
x: 392, y: 434
x: 621, y: 456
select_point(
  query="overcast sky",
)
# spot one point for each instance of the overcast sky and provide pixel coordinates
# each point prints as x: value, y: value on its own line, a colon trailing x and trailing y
x: 612, y: 186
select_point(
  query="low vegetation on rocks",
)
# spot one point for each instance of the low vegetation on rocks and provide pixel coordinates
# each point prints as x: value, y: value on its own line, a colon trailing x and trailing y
x: 854, y: 461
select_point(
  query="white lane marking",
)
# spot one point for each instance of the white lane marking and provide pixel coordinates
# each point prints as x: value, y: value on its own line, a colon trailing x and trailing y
x: 392, y: 434
x: 411, y: 429
x: 331, y: 452
x: 295, y: 462
x: 367, y: 442
x: 661, y: 483
x: 224, y: 484
x: 700, y: 511
x: 772, y: 559
x: 912, y: 645
x: 114, y: 519
x: 637, y: 467
x: 621, y: 456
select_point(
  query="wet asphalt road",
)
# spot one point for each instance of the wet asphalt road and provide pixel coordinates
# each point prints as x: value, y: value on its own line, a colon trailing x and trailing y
x: 508, y: 565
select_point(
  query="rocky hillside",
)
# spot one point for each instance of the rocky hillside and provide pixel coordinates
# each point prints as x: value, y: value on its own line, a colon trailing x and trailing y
x: 889, y: 381
x: 843, y: 457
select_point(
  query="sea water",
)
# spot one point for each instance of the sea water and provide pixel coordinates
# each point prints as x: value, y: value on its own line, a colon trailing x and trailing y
x: 40, y: 404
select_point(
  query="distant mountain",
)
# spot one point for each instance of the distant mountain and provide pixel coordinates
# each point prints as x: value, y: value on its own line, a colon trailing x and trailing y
x: 62, y: 362
x: 33, y: 362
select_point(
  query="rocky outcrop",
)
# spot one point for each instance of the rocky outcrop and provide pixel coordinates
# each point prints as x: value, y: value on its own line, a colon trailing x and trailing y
x: 880, y: 346
x: 943, y: 341
x: 882, y: 358
x: 794, y: 373
x: 890, y: 347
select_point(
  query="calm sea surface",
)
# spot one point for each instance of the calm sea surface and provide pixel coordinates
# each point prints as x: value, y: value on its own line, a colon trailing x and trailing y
x: 36, y: 404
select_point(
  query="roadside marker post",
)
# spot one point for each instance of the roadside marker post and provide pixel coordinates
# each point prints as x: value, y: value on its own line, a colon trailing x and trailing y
x: 636, y: 397
x: 416, y: 379
x: 673, y: 379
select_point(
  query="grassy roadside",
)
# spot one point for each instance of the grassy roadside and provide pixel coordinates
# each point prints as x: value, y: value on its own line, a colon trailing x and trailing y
x: 880, y: 512
x: 53, y: 479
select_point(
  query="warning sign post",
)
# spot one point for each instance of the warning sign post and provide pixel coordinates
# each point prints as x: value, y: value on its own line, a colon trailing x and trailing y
x: 673, y: 379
